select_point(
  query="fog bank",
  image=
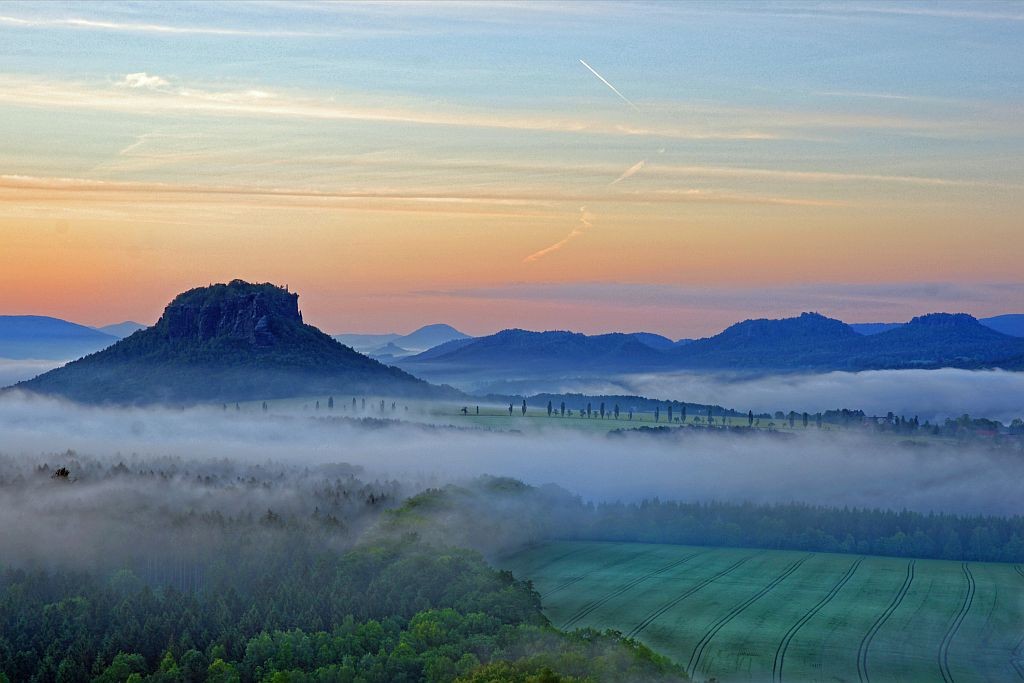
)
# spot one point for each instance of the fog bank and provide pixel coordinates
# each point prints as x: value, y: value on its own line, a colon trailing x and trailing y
x: 830, y: 468
x: 930, y: 394
x: 14, y: 370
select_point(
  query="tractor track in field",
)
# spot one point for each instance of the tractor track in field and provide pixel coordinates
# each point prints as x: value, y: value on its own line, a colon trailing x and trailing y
x: 649, y: 619
x: 947, y: 640
x: 698, y: 650
x: 780, y: 653
x: 608, y: 565
x: 574, y: 551
x: 595, y: 604
x: 865, y: 642
x: 1017, y: 661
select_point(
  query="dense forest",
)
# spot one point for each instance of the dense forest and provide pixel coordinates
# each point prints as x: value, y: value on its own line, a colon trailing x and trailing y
x: 381, y: 612
x: 170, y: 569
x: 199, y: 570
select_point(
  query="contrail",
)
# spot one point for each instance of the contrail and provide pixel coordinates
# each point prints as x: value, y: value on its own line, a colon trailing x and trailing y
x: 584, y: 223
x: 631, y: 171
x: 614, y: 89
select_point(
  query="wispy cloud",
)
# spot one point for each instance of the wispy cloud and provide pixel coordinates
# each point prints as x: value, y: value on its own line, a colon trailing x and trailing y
x: 933, y: 10
x: 654, y: 169
x: 629, y: 172
x: 257, y: 102
x: 582, y: 224
x: 65, y: 188
x: 82, y: 23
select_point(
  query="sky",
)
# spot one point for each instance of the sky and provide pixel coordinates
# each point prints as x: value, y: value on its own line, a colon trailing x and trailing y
x: 671, y: 167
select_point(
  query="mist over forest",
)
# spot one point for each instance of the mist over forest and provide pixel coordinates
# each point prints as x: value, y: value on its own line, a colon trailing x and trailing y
x: 833, y: 468
x: 930, y: 394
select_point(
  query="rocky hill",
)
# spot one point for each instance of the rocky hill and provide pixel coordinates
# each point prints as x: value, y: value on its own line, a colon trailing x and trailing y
x: 226, y: 342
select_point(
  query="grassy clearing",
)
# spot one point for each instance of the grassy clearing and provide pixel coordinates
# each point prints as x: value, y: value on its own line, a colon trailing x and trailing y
x: 755, y: 615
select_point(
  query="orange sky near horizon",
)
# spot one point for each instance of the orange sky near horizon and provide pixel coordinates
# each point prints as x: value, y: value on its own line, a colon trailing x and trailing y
x: 400, y: 165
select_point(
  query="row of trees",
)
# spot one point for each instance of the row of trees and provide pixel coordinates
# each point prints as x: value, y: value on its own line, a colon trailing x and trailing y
x: 530, y: 514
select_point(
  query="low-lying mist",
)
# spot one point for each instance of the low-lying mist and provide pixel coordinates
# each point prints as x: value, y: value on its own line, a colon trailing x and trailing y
x: 835, y: 468
x: 14, y: 370
x: 930, y: 394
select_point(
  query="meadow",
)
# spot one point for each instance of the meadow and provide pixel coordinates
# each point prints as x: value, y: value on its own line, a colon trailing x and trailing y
x: 756, y: 615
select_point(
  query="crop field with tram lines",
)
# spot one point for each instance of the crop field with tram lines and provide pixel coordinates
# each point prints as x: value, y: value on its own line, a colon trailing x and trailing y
x: 768, y: 615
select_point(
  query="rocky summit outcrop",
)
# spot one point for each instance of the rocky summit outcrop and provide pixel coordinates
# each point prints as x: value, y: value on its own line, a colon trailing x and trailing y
x: 237, y: 310
x: 227, y: 342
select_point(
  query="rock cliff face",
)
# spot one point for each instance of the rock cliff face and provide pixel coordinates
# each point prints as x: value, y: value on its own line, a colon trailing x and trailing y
x: 237, y: 310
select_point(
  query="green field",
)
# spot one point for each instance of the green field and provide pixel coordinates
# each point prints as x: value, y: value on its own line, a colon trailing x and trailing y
x: 756, y: 615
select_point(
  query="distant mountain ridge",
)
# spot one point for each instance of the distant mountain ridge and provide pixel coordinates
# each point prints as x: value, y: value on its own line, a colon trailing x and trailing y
x: 41, y: 337
x: 1011, y: 324
x: 809, y: 342
x: 226, y: 342
x: 397, y: 345
x: 122, y: 329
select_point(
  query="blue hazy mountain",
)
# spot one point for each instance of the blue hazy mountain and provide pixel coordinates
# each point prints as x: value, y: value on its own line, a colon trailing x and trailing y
x: 814, y: 342
x: 526, y: 351
x: 655, y: 341
x: 937, y: 340
x: 1011, y: 324
x: 232, y: 342
x: 429, y: 336
x: 122, y: 330
x: 398, y: 345
x: 364, y: 342
x: 44, y: 338
x: 809, y: 342
x: 873, y: 328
